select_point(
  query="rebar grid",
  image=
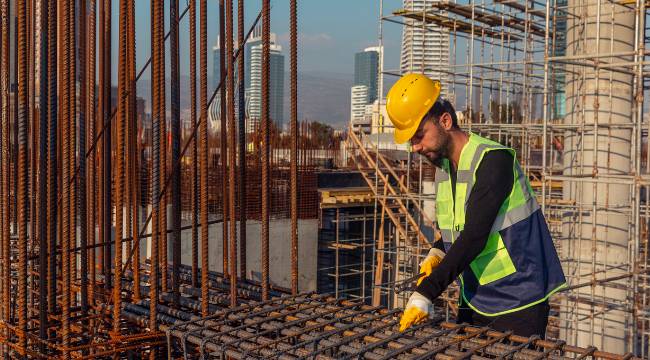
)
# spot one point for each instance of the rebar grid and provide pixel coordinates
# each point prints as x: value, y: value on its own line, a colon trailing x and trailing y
x: 309, y: 326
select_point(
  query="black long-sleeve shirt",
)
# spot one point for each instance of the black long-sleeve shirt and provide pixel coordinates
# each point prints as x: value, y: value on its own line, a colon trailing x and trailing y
x: 494, y: 179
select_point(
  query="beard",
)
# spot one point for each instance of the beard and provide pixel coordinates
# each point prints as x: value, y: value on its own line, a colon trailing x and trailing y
x: 436, y: 155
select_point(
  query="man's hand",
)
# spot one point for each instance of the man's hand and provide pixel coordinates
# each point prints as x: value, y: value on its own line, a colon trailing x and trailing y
x: 417, y: 310
x: 433, y: 259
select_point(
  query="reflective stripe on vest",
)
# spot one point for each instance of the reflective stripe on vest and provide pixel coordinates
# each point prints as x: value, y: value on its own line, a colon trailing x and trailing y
x: 494, y: 262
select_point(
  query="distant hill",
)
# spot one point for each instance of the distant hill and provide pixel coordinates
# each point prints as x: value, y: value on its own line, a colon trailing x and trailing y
x: 322, y: 96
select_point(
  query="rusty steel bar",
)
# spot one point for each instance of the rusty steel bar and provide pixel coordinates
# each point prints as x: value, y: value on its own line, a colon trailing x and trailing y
x: 72, y: 133
x: 195, y: 155
x: 105, y: 90
x: 82, y: 179
x: 293, y: 68
x: 230, y: 108
x: 99, y: 119
x: 266, y: 29
x: 119, y: 161
x: 162, y: 100
x: 133, y: 142
x: 5, y: 157
x: 242, y: 142
x: 176, y: 147
x: 42, y: 178
x: 203, y: 93
x: 155, y: 164
x: 223, y: 154
x: 22, y: 106
x: 91, y: 120
x: 65, y: 213
x: 52, y: 161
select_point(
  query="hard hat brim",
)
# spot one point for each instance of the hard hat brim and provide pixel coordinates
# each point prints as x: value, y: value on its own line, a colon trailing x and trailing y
x: 403, y: 136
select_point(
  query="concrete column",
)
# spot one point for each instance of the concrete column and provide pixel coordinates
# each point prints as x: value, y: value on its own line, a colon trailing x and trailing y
x: 596, y: 229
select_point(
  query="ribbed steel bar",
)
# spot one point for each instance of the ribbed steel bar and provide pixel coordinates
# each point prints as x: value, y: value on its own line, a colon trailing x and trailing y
x: 91, y: 121
x: 223, y: 154
x: 195, y: 143
x: 42, y: 177
x: 6, y: 163
x: 65, y: 149
x: 293, y: 68
x: 230, y: 108
x: 5, y: 157
x: 162, y: 104
x: 266, y: 30
x: 241, y: 106
x: 105, y: 49
x: 122, y: 119
x: 203, y: 93
x: 82, y: 179
x: 100, y: 147
x: 176, y: 146
x: 52, y: 161
x: 72, y: 133
x: 134, y: 151
x: 22, y: 107
x: 155, y: 154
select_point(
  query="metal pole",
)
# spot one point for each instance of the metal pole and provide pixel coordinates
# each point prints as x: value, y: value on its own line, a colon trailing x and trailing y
x: 83, y: 101
x: 242, y: 141
x: 42, y: 178
x: 176, y: 144
x: 105, y: 49
x: 223, y: 155
x: 91, y: 118
x: 195, y: 155
x: 203, y: 93
x: 293, y: 32
x: 266, y: 30
x: 230, y: 108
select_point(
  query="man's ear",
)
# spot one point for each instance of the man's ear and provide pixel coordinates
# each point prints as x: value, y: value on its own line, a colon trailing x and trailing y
x: 446, y: 121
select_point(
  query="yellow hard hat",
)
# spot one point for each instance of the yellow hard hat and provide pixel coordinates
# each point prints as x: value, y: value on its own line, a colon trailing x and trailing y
x: 408, y: 101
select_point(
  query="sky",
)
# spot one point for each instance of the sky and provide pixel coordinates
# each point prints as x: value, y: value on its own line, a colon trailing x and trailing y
x: 330, y: 32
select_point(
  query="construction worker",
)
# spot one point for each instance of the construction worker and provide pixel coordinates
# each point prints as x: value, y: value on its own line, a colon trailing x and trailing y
x: 496, y: 240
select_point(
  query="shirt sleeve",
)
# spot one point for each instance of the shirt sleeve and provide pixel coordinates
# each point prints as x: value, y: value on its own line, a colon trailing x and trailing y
x: 494, y: 179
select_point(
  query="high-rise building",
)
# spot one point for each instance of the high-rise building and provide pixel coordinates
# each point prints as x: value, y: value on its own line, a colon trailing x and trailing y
x: 253, y: 81
x: 276, y: 85
x: 358, y: 103
x: 425, y: 47
x: 366, y: 69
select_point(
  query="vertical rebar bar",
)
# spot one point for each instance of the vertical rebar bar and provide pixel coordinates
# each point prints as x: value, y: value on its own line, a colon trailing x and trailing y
x: 203, y: 93
x: 91, y: 120
x: 266, y: 29
x: 6, y: 161
x: 42, y: 178
x: 164, y: 263
x: 155, y: 168
x: 22, y: 79
x: 176, y: 148
x: 195, y: 142
x: 293, y: 68
x: 65, y: 214
x: 230, y: 108
x: 52, y: 161
x: 134, y: 151
x: 99, y: 121
x: 223, y: 154
x: 72, y: 133
x: 107, y: 143
x: 81, y: 178
x: 242, y: 140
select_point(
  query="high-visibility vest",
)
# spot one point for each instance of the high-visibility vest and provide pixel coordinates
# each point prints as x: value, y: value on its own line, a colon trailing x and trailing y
x: 519, y: 266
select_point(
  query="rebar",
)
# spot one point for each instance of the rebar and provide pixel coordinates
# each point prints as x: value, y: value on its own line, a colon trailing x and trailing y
x: 223, y: 155
x: 176, y: 144
x: 266, y: 30
x: 241, y: 106
x: 203, y: 93
x: 230, y: 108
x: 195, y: 147
x: 293, y: 69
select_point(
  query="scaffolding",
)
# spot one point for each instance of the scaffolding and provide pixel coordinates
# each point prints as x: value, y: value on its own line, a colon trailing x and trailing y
x: 563, y: 83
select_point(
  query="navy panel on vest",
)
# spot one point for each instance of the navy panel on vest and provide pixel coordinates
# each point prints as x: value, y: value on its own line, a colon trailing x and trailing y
x: 538, y: 267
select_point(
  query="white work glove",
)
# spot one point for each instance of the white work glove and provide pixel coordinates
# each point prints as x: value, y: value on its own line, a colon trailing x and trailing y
x: 418, y: 309
x: 433, y: 259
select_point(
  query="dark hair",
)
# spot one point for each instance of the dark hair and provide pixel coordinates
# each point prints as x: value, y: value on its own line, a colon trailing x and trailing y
x: 442, y: 106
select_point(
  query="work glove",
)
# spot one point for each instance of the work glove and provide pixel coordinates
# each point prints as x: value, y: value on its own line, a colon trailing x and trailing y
x: 417, y: 310
x: 433, y: 259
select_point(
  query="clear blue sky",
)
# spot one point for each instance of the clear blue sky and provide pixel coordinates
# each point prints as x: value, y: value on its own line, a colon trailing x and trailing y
x: 331, y: 31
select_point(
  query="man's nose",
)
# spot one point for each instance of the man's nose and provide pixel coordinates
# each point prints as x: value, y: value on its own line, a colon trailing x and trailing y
x: 416, y: 147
